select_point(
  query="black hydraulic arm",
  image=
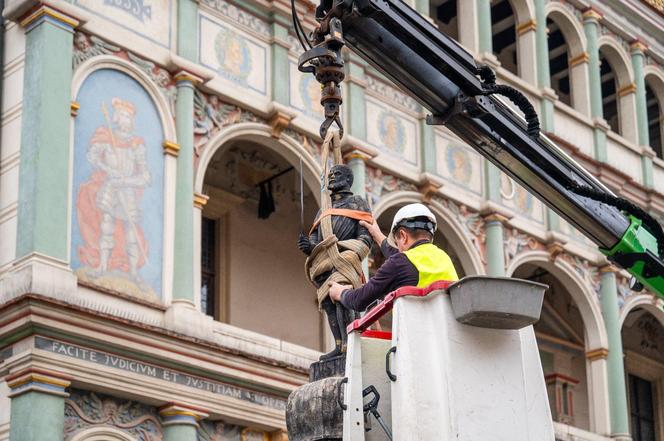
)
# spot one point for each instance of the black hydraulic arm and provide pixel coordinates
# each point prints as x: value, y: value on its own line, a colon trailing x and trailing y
x: 445, y: 79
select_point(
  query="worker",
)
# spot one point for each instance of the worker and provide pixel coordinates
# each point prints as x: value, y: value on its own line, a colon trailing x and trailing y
x: 415, y: 261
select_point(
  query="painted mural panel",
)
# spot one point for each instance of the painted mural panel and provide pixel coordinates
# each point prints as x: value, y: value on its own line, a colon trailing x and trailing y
x: 234, y: 55
x: 151, y: 19
x: 458, y: 163
x: 117, y: 213
x: 520, y: 199
x: 392, y: 131
x: 305, y: 93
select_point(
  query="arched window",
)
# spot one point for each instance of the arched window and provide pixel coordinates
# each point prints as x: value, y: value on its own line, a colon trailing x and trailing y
x: 561, y: 340
x: 643, y: 346
x: 503, y: 31
x: 558, y: 62
x: 609, y: 93
x: 252, y: 270
x: 445, y: 15
x: 654, y: 109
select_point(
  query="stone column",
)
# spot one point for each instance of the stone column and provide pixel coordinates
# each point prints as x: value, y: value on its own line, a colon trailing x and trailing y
x: 468, y: 25
x: 495, y: 244
x: 578, y: 74
x: 615, y: 367
x: 638, y: 54
x: 37, y: 405
x: 45, y: 135
x: 485, y: 42
x: 422, y: 6
x: 183, y: 262
x: 357, y: 163
x: 200, y: 200
x: 187, y: 29
x: 180, y: 422
x: 543, y: 72
x: 428, y: 149
x: 527, y: 49
x: 599, y: 393
x: 591, y: 27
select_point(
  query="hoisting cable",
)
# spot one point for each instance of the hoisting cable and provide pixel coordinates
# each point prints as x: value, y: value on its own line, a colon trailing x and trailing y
x: 299, y: 30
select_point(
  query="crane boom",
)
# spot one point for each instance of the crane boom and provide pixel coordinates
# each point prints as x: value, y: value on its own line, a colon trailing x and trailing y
x: 445, y: 79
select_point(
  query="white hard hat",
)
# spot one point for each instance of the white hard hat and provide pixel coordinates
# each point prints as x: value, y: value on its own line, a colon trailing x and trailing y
x: 406, y: 215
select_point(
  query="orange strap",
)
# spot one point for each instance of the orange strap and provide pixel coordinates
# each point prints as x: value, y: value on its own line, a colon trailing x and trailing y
x: 353, y: 214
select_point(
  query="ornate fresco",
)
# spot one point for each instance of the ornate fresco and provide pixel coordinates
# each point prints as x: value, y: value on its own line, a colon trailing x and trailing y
x: 233, y: 55
x: 150, y: 19
x: 458, y: 163
x: 392, y: 131
x: 118, y: 172
x: 305, y: 93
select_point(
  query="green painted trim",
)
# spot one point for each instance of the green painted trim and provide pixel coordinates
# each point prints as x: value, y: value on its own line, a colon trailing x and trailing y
x: 183, y: 265
x: 542, y: 45
x: 423, y: 7
x: 484, y: 26
x: 359, y: 168
x: 614, y: 364
x: 280, y: 66
x: 43, y: 208
x: 187, y: 38
x: 357, y: 111
x: 428, y: 148
x: 641, y: 106
x: 180, y: 432
x: 552, y: 220
x: 599, y: 141
x: 495, y: 249
x: 254, y: 9
x: 492, y: 182
x: 591, y: 30
x: 646, y: 166
x: 37, y: 416
x: 547, y: 111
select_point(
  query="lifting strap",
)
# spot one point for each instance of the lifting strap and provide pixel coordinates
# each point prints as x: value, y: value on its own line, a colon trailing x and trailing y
x: 343, y: 258
x: 353, y: 214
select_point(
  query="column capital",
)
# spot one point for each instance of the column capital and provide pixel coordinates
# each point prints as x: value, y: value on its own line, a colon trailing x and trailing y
x: 626, y: 90
x: 638, y: 46
x: 73, y: 108
x: 43, y: 13
x: 180, y: 414
x: 608, y: 269
x: 492, y: 212
x: 200, y: 200
x: 279, y: 121
x: 356, y: 155
x: 186, y: 78
x: 429, y: 185
x: 597, y: 354
x: 528, y: 26
x: 582, y: 58
x: 171, y: 148
x: 592, y: 14
x: 40, y: 380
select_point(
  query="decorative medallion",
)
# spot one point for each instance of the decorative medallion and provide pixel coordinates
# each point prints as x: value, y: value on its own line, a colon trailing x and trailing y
x: 233, y: 55
x: 391, y: 131
x: 458, y: 163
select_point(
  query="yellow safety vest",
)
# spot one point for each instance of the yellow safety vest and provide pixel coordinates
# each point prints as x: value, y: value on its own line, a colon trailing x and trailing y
x: 432, y: 263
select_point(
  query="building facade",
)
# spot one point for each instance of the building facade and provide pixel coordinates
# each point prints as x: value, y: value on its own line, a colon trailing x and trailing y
x: 150, y: 162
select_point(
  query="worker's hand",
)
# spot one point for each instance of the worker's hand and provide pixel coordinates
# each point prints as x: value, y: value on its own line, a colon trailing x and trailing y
x: 336, y: 289
x: 374, y: 230
x: 304, y: 244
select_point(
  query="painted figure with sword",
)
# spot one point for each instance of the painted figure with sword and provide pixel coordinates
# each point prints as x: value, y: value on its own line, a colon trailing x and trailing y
x: 115, y: 239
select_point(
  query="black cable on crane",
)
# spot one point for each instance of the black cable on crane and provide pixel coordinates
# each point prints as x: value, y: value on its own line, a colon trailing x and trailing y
x: 299, y: 30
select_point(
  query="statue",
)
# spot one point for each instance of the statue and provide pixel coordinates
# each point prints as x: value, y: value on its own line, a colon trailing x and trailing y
x: 344, y: 227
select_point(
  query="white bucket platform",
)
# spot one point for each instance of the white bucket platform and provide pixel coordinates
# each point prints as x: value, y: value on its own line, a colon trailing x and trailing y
x: 452, y: 381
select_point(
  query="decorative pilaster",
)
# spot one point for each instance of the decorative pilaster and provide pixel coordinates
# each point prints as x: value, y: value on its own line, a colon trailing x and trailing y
x: 495, y: 244
x: 638, y: 55
x: 44, y: 169
x: 357, y: 163
x: 356, y: 108
x: 180, y: 422
x: 37, y: 405
x: 183, y: 269
x: 187, y: 29
x: 280, y: 66
x: 591, y: 27
x: 484, y: 26
x: 543, y: 71
x: 615, y: 367
x: 429, y: 160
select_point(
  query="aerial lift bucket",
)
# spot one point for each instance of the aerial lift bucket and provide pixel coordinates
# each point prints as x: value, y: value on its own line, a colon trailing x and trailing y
x: 461, y: 364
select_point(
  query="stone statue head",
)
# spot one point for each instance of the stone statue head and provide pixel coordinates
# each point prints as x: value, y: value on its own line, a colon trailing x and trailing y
x: 340, y: 178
